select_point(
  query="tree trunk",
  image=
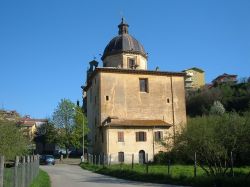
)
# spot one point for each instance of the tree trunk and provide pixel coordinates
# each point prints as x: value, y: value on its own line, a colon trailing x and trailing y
x: 67, y: 153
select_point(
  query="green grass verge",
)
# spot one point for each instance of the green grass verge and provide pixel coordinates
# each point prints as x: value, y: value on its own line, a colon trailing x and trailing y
x: 179, y: 174
x: 42, y: 180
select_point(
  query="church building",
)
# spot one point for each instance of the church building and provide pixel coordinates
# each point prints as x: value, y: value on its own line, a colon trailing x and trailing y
x: 131, y: 110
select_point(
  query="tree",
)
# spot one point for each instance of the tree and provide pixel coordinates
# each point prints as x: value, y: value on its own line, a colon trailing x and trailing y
x: 77, y: 134
x: 46, y: 134
x: 217, y: 108
x: 213, y: 138
x: 63, y: 118
x: 233, y: 97
x: 12, y: 140
x: 199, y: 102
x: 68, y: 120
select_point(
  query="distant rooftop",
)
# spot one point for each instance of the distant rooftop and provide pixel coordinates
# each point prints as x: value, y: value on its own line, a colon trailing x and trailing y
x: 195, y: 69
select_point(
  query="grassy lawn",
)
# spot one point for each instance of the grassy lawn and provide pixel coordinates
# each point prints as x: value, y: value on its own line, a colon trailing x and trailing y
x: 42, y: 180
x: 179, y: 174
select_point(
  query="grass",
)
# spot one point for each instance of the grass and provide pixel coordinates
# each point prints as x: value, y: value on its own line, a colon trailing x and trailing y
x: 179, y: 174
x: 8, y: 177
x: 42, y: 180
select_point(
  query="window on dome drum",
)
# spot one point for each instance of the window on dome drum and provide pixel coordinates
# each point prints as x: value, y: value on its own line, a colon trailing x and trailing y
x: 120, y: 136
x: 131, y: 63
x: 141, y: 136
x: 143, y: 85
x: 158, y: 135
x: 120, y: 156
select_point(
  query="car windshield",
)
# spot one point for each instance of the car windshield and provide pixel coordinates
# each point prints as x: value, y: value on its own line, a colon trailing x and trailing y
x: 49, y: 156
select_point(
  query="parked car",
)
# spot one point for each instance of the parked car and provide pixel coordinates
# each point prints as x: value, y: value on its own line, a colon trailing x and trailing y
x: 47, y: 160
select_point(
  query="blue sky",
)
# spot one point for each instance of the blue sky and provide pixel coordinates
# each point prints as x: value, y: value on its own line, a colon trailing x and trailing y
x: 45, y: 45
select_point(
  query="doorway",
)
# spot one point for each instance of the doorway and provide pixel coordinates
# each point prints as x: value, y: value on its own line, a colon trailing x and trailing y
x: 141, y: 157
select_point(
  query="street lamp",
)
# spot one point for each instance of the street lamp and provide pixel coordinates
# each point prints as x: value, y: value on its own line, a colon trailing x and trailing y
x: 82, y: 158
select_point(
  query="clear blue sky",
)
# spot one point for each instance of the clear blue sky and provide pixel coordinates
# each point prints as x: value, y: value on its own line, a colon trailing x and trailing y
x: 45, y: 45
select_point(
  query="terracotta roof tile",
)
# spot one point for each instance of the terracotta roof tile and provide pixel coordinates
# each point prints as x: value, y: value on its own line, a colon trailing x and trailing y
x: 139, y: 123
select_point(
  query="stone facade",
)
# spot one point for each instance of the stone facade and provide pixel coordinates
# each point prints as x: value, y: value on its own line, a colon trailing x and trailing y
x: 130, y: 109
x: 122, y: 61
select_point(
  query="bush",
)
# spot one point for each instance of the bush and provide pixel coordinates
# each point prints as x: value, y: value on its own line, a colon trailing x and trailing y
x: 161, y: 158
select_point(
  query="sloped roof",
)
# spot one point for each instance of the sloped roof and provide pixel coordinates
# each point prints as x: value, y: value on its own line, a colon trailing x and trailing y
x: 194, y: 68
x: 139, y: 123
x: 223, y: 76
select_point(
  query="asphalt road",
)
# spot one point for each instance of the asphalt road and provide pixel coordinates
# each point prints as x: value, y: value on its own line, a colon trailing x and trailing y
x: 63, y: 175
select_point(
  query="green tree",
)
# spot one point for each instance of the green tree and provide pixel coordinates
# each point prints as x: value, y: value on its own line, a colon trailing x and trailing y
x: 12, y: 140
x: 63, y: 118
x: 77, y: 132
x: 199, y: 102
x: 46, y: 134
x: 68, y: 120
x: 213, y: 138
x: 217, y: 108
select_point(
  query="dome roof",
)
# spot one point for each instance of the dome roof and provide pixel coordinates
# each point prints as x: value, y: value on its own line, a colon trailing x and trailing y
x: 123, y: 43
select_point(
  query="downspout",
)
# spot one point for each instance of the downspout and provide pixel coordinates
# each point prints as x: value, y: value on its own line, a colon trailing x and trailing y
x: 173, y: 114
x: 153, y: 143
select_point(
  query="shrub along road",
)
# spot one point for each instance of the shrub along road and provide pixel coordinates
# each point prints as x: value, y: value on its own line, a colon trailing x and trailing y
x: 73, y: 175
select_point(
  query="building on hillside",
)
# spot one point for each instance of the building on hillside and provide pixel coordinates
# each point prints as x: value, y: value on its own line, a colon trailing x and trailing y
x: 130, y: 109
x: 225, y: 78
x: 31, y: 129
x: 10, y: 115
x: 30, y: 125
x: 194, y: 79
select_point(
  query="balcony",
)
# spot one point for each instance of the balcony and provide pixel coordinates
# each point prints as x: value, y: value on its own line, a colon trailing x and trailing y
x: 189, y: 80
x: 189, y: 74
x: 188, y: 85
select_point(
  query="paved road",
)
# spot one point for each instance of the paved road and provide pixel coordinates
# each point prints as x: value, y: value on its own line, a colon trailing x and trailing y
x: 63, y: 175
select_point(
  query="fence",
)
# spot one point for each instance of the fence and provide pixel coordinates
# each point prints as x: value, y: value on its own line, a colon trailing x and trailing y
x: 142, y: 158
x: 108, y: 159
x: 19, y: 173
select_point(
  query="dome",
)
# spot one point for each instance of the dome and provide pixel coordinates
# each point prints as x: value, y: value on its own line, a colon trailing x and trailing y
x: 123, y: 43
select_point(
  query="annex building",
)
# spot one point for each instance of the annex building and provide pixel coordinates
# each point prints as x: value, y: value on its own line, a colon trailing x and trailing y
x: 131, y: 109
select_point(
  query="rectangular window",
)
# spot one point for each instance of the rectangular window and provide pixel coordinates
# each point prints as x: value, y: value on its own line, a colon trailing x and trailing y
x: 107, y: 98
x: 141, y: 136
x: 121, y: 156
x: 120, y: 136
x: 131, y: 63
x: 158, y: 135
x: 143, y: 85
